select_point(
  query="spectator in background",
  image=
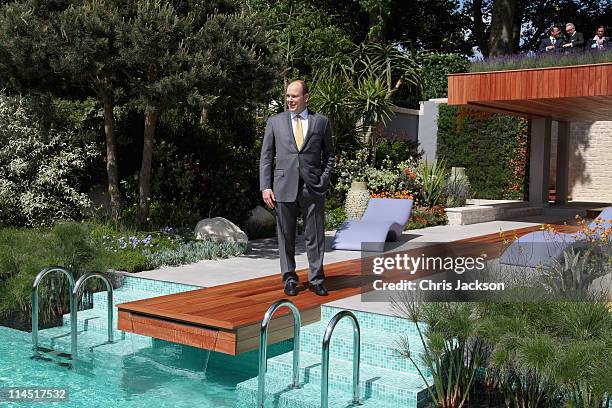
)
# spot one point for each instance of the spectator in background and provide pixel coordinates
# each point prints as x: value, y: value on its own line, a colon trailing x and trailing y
x: 574, y: 40
x: 551, y: 43
x: 600, y: 41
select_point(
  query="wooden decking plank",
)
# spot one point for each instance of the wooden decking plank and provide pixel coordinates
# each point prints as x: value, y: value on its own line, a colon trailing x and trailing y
x: 215, y: 306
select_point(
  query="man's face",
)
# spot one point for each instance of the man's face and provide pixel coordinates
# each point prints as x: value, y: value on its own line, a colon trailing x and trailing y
x: 296, y: 100
x: 555, y: 32
x: 569, y: 30
x: 600, y: 31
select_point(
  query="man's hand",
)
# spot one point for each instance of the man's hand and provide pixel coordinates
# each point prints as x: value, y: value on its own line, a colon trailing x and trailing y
x: 268, y: 197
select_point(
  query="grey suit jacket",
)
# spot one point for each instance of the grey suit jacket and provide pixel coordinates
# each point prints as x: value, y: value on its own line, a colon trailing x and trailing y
x: 313, y: 163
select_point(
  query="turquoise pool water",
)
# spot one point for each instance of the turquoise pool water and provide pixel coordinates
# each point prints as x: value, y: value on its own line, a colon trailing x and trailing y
x: 161, y: 375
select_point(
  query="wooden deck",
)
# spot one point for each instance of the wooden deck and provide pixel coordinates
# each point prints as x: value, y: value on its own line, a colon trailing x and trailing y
x: 227, y: 318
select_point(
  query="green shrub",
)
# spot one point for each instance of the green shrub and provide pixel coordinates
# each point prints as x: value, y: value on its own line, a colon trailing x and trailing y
x: 349, y: 168
x: 135, y: 251
x: 491, y: 147
x: 42, y: 164
x: 451, y: 347
x: 25, y: 252
x: 131, y: 261
x: 128, y: 246
x: 391, y: 175
x: 435, y: 69
x: 397, y: 151
x: 199, y: 170
x: 334, y: 217
x: 193, y: 251
x: 545, y: 353
x: 533, y: 354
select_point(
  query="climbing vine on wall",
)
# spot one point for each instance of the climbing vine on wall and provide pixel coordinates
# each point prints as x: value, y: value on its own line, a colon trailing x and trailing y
x: 493, y: 148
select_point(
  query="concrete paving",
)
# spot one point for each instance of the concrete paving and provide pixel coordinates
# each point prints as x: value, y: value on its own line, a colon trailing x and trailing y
x: 261, y: 258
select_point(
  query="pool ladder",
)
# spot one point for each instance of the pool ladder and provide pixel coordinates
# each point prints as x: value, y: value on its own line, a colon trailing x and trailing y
x: 297, y: 324
x: 74, y: 289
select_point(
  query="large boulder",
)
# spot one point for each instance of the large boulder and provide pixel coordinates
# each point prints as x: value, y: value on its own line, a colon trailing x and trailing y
x: 220, y: 229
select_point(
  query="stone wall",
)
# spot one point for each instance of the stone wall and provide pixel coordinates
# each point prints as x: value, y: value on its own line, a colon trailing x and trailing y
x: 590, y: 174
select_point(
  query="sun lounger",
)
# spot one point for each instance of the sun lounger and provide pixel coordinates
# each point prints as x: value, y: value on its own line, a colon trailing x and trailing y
x: 540, y: 248
x: 383, y: 221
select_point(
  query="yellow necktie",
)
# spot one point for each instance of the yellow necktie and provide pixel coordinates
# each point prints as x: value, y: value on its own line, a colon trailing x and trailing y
x: 299, y: 133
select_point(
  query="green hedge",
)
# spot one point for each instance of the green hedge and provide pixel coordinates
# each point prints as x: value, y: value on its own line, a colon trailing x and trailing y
x: 435, y: 69
x: 492, y: 148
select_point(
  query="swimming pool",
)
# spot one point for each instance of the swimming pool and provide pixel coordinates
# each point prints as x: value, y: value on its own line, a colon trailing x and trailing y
x: 161, y: 375
x: 137, y: 371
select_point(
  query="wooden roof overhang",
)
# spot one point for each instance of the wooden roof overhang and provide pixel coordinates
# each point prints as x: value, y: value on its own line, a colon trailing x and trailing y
x: 571, y: 93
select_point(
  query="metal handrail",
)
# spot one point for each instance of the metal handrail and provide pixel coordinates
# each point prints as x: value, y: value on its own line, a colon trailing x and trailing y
x: 263, y: 347
x: 73, y: 316
x: 35, y: 285
x: 325, y: 357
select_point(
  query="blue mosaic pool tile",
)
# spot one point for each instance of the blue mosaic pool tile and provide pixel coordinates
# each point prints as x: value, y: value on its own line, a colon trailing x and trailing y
x: 155, y: 286
x: 385, y: 385
x: 121, y: 295
x: 375, y: 321
x: 378, y: 348
x: 93, y: 343
x: 133, y: 288
x: 278, y: 395
x: 388, y: 379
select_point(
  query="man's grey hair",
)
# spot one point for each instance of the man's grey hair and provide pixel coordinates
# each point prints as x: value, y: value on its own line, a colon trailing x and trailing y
x: 570, y: 25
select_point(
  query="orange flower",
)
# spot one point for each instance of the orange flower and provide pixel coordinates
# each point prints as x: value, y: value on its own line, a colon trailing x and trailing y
x: 396, y: 194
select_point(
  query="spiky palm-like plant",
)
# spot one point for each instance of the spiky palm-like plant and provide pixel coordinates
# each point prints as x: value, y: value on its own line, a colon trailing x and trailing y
x: 574, y: 272
x: 433, y: 177
x: 452, y: 351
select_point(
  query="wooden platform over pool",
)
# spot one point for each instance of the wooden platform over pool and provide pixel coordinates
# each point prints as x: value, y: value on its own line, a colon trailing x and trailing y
x: 227, y: 318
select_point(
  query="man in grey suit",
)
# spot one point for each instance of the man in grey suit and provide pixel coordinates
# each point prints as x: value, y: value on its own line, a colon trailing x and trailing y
x: 297, y: 156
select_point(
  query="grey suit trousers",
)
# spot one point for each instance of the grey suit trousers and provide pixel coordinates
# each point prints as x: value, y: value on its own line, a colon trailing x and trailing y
x: 312, y: 207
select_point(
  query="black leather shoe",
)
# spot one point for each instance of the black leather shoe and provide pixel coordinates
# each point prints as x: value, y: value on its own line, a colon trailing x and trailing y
x: 319, y: 289
x: 291, y: 288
